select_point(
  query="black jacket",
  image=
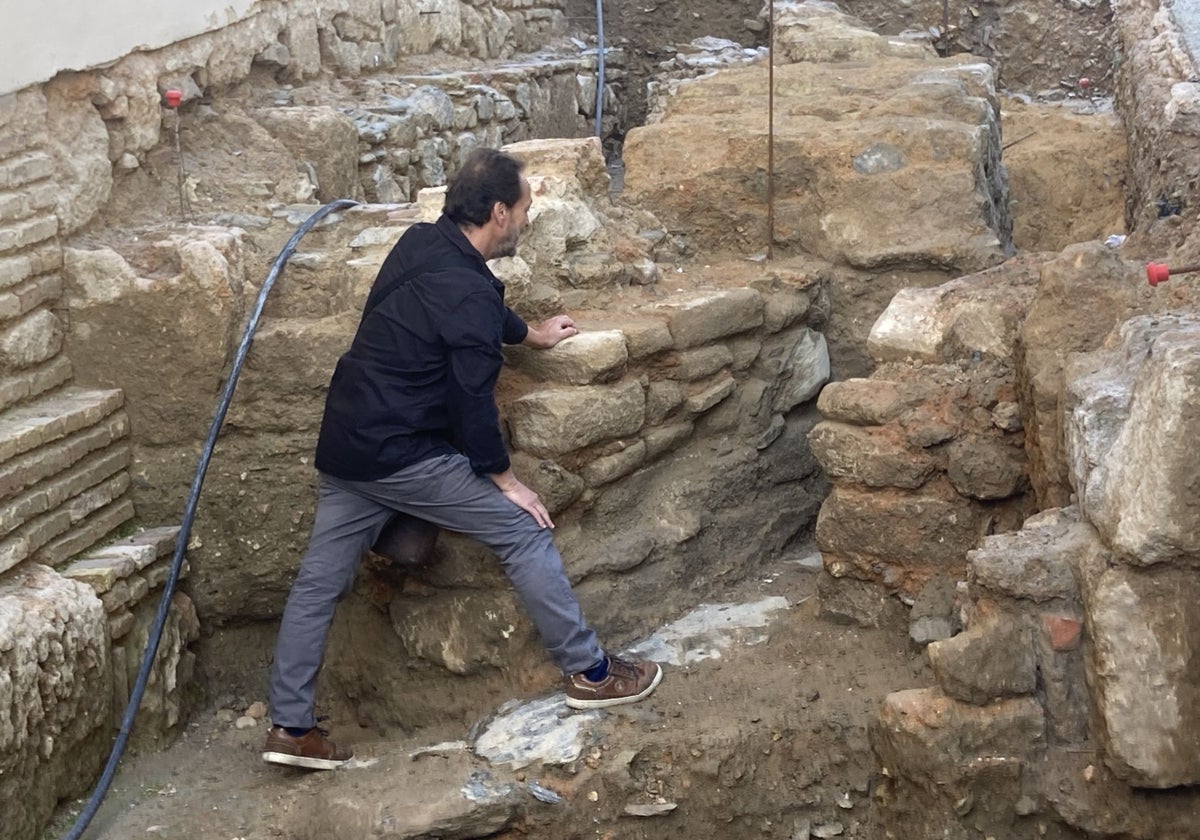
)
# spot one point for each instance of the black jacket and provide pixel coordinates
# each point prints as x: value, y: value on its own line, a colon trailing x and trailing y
x: 419, y: 378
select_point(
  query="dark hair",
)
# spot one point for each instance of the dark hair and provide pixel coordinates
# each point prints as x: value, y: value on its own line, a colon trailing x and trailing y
x: 486, y: 176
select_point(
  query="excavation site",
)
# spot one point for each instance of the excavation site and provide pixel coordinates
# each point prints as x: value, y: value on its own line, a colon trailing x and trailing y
x: 853, y: 350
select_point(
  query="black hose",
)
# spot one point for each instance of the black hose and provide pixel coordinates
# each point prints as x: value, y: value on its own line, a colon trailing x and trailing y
x: 600, y: 64
x: 185, y: 528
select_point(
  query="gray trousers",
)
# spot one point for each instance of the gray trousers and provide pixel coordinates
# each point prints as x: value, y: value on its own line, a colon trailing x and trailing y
x: 445, y: 491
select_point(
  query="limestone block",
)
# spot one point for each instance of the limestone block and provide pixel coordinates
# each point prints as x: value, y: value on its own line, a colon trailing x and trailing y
x: 848, y: 600
x: 896, y: 536
x: 300, y: 38
x: 869, y: 402
x: 583, y: 359
x: 25, y: 168
x: 48, y: 495
x: 33, y: 382
x: 645, y: 336
x: 992, y: 659
x: 163, y: 333
x: 805, y: 369
x: 14, y: 270
x: 979, y: 314
x: 697, y: 318
x: 819, y: 33
x: 1144, y: 669
x: 987, y: 468
x: 165, y: 702
x: 28, y: 232
x: 1062, y: 682
x: 710, y: 395
x: 1137, y: 495
x: 556, y: 227
x: 22, y: 121
x: 935, y: 614
x: 662, y: 398
x: 90, y: 518
x: 79, y: 145
x: 436, y: 808
x: 462, y: 632
x: 283, y: 388
x: 782, y: 309
x: 699, y: 362
x: 324, y: 138
x: 573, y: 165
x: 922, y: 734
x: 556, y: 486
x: 66, y: 411
x: 429, y: 23
x: 611, y: 467
x: 55, y: 707
x: 1036, y: 563
x: 874, y: 457
x: 554, y: 422
x: 664, y: 439
x: 51, y: 459
x: 1056, y: 326
x: 923, y: 186
x: 28, y: 296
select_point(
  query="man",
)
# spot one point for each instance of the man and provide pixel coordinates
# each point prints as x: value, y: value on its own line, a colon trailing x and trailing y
x: 411, y: 426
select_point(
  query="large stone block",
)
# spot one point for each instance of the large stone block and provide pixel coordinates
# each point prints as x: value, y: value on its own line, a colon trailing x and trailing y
x: 1058, y: 323
x: 870, y: 402
x: 56, y: 694
x: 1144, y: 669
x: 697, y: 318
x: 323, y: 138
x: 898, y: 537
x: 165, y: 338
x: 922, y: 188
x: 994, y: 658
x: 979, y: 314
x: 553, y: 422
x: 462, y: 632
x: 1139, y: 494
x: 78, y: 141
x: 922, y: 734
x: 583, y: 359
x: 876, y: 457
x: 1035, y: 564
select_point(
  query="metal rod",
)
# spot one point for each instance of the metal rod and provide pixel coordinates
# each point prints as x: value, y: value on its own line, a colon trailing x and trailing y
x: 600, y: 64
x: 771, y: 130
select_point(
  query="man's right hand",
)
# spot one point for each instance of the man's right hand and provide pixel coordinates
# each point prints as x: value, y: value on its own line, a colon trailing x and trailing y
x: 522, y: 497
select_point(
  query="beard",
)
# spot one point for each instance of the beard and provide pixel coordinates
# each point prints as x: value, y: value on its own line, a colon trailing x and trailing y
x: 507, y: 247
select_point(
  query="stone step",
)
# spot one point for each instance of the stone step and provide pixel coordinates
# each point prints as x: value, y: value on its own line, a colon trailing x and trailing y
x: 33, y: 467
x: 54, y: 416
x: 80, y: 476
x: 34, y: 382
x: 71, y: 527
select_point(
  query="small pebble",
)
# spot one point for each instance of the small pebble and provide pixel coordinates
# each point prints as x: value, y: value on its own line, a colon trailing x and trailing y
x: 246, y: 722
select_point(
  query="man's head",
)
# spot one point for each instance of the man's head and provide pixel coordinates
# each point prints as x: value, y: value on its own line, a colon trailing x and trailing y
x: 489, y: 199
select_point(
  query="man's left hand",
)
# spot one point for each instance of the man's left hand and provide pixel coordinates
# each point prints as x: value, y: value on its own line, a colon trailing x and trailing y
x: 551, y: 331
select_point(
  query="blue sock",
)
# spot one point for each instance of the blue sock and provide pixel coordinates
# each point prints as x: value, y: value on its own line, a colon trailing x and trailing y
x: 296, y: 731
x: 597, y: 672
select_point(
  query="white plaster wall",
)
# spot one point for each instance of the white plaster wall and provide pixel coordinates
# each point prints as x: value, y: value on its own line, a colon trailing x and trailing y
x: 38, y: 38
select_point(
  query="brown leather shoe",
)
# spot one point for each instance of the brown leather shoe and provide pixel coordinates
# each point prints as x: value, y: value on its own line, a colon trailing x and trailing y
x: 313, y: 750
x: 627, y: 682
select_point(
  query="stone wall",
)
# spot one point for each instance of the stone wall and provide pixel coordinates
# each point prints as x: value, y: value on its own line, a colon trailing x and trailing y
x: 1062, y: 645
x: 1158, y: 95
x: 88, y: 154
x: 1035, y: 45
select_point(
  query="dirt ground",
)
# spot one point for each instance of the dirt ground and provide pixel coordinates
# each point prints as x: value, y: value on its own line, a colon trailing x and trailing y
x: 759, y: 742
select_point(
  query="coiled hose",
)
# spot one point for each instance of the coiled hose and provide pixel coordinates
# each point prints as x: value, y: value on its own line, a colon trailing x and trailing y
x: 185, y: 527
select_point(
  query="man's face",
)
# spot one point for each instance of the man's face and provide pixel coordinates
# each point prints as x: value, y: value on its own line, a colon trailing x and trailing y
x: 515, y: 222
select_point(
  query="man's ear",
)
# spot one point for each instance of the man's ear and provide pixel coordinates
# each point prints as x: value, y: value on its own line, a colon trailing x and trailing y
x: 499, y: 212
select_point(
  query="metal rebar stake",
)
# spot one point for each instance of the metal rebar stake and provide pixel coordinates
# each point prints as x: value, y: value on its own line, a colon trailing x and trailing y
x: 771, y: 130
